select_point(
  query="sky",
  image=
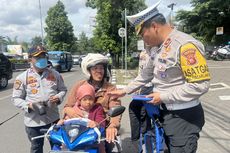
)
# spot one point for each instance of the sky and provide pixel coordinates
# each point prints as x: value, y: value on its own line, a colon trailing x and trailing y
x: 21, y: 18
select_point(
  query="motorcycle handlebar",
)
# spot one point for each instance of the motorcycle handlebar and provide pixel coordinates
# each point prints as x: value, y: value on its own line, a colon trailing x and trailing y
x: 39, y: 137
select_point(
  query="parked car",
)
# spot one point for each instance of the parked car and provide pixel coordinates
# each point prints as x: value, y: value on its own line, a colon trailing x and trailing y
x: 80, y: 59
x: 223, y: 53
x: 76, y: 59
x: 6, y: 72
x: 61, y: 60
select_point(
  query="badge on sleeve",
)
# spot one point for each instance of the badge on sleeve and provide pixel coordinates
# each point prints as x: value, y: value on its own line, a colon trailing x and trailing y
x: 34, y: 91
x: 193, y: 63
x: 17, y: 84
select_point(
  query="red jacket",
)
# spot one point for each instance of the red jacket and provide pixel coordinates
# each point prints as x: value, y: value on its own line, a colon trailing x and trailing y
x: 97, y: 114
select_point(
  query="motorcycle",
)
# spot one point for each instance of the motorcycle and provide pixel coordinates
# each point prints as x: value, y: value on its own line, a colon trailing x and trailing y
x: 213, y: 54
x: 220, y: 53
x: 75, y: 136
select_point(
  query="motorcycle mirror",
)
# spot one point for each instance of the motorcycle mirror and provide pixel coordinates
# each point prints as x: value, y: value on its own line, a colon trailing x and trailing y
x: 115, y: 111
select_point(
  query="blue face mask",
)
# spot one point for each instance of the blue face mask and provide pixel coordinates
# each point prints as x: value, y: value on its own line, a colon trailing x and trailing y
x: 41, y: 63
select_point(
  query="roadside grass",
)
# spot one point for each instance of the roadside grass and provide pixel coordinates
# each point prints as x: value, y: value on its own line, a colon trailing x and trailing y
x: 124, y: 77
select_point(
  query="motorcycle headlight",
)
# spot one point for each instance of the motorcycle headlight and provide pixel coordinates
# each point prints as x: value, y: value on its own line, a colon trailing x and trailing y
x: 73, y: 132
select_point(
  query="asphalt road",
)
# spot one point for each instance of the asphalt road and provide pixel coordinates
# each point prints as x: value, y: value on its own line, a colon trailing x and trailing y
x: 215, y: 137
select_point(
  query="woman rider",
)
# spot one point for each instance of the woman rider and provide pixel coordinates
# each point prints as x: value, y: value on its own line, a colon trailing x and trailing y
x: 94, y: 66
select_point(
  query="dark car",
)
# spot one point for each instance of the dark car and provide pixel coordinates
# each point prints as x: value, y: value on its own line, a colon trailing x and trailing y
x: 80, y: 59
x: 6, y: 72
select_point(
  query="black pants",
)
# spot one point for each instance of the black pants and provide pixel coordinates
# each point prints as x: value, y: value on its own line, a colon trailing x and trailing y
x: 139, y: 120
x: 182, y: 129
x: 37, y: 144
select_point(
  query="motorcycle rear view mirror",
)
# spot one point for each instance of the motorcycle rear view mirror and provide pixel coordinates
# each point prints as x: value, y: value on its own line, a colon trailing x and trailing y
x: 115, y: 111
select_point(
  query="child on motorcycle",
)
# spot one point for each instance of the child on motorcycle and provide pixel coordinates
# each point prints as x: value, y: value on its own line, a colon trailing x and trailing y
x: 85, y: 101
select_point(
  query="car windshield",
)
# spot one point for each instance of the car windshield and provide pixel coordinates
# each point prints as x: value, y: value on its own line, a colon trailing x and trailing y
x: 54, y: 56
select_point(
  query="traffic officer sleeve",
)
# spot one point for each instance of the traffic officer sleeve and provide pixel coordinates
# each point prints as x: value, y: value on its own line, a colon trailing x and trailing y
x: 186, y: 92
x: 196, y: 74
x: 19, y: 93
x: 60, y: 87
x: 145, y: 76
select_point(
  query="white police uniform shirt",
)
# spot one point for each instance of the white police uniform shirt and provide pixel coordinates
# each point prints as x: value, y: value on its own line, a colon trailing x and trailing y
x: 32, y: 87
x: 177, y: 90
x: 143, y: 61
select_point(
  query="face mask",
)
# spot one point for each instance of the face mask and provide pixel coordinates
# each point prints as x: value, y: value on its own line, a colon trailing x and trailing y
x: 41, y: 63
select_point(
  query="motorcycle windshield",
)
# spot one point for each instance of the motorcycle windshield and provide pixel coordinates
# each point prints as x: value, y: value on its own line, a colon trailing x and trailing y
x: 75, y: 127
x: 76, y: 133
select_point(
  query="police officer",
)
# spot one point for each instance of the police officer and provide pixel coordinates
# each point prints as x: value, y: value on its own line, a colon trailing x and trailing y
x: 140, y: 122
x: 180, y: 76
x: 38, y: 91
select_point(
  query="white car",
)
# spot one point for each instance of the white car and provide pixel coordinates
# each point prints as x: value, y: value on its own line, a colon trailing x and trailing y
x: 76, y: 59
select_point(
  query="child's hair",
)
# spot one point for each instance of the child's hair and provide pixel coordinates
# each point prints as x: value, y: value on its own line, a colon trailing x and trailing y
x: 84, y: 90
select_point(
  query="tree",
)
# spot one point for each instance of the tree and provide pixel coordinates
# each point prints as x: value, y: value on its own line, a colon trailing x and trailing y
x: 3, y: 43
x: 10, y: 41
x: 203, y: 20
x: 59, y: 29
x: 109, y: 18
x: 83, y: 43
x: 3, y: 40
x: 37, y: 40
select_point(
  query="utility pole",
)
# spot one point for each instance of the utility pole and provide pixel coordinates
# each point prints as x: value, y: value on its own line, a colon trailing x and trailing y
x: 41, y: 22
x: 171, y: 13
x: 125, y: 41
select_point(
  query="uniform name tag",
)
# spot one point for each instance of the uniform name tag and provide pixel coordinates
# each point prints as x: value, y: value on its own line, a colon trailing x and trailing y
x: 193, y: 64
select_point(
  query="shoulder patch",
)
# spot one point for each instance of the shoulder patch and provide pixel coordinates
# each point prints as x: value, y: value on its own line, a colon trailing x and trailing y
x: 193, y: 63
x: 17, y: 84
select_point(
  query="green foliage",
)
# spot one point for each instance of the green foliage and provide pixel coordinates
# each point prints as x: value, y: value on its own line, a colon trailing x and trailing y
x: 132, y: 63
x: 203, y: 20
x: 109, y: 18
x: 83, y: 43
x: 3, y: 40
x: 12, y: 41
x: 37, y: 40
x: 59, y: 29
x: 18, y: 61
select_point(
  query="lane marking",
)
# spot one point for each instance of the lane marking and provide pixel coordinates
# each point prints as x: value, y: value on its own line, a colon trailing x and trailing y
x: 5, y: 97
x: 224, y: 86
x: 224, y: 97
x: 219, y: 67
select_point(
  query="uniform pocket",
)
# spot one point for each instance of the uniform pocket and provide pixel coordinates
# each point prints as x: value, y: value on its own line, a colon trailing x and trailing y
x: 177, y: 142
x: 183, y: 145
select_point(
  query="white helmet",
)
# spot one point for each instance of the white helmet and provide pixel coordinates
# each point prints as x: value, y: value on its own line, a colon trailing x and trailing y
x: 92, y: 59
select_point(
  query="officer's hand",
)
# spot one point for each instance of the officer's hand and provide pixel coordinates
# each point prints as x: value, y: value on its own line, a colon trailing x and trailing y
x: 111, y: 133
x: 116, y: 93
x: 30, y: 106
x: 156, y: 98
x: 54, y: 99
x: 73, y: 113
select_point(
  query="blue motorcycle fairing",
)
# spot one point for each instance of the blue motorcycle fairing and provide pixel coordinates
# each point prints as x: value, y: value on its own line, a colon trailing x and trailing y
x: 75, y: 134
x: 88, y: 137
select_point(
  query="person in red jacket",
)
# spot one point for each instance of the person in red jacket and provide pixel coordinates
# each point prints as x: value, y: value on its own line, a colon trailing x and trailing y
x: 85, y: 102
